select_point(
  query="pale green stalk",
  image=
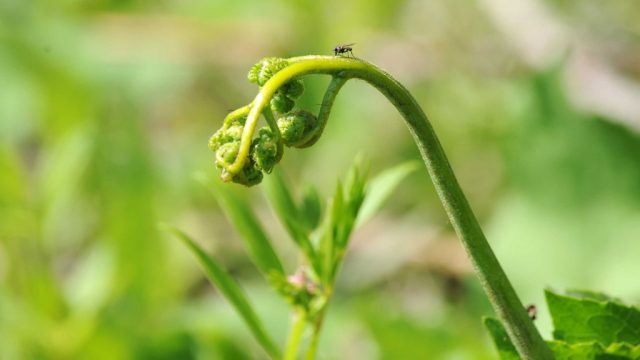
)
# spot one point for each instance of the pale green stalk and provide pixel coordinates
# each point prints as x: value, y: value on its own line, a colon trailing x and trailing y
x: 298, y: 323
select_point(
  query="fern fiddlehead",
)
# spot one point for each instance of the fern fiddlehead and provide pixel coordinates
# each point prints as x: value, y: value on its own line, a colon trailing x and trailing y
x: 243, y: 159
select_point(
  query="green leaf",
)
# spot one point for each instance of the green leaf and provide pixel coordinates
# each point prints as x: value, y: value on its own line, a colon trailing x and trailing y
x: 230, y: 289
x: 593, y: 295
x: 381, y: 187
x: 506, y: 350
x: 327, y: 243
x: 578, y: 351
x: 585, y: 319
x: 624, y: 349
x: 340, y: 220
x: 311, y: 208
x: 593, y: 351
x: 254, y: 237
x: 354, y: 189
x: 277, y: 191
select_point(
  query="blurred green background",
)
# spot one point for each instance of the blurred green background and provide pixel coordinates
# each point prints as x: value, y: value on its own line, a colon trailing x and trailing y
x: 106, y: 107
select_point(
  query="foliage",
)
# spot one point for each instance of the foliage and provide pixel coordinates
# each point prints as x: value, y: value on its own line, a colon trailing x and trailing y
x: 587, y: 326
x: 322, y: 242
x: 105, y: 106
x: 302, y: 129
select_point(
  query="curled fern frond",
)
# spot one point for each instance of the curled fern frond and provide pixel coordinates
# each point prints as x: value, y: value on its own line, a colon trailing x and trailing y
x: 249, y: 175
x: 296, y: 127
x: 264, y: 150
x: 243, y: 161
x: 262, y: 71
x: 293, y: 89
x: 281, y: 103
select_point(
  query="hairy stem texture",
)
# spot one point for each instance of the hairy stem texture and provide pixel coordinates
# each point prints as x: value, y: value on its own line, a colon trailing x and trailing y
x: 499, y: 290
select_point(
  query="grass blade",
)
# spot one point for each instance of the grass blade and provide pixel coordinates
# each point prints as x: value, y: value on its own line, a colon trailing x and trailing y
x: 277, y: 191
x: 230, y: 289
x: 381, y: 187
x: 245, y: 221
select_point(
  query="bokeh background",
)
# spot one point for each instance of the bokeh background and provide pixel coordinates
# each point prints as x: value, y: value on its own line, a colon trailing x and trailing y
x: 106, y: 107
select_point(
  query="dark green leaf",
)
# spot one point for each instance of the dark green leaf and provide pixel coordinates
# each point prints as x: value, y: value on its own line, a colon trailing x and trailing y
x: 230, y: 289
x: 506, y: 350
x: 254, y: 237
x: 585, y: 319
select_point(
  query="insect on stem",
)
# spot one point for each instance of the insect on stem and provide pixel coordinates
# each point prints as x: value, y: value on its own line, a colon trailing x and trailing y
x: 344, y: 49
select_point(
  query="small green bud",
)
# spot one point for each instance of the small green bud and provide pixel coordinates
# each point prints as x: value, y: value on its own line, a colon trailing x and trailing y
x: 281, y: 103
x: 226, y: 144
x: 216, y: 140
x: 252, y: 76
x: 296, y: 126
x: 293, y: 89
x: 264, y: 150
x: 234, y: 133
x: 240, y: 120
x: 261, y: 72
x: 291, y: 128
x: 300, y: 290
x: 227, y: 153
x: 249, y: 175
x: 230, y: 134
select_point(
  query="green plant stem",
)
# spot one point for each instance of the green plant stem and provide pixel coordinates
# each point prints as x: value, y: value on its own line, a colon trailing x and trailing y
x: 325, y: 109
x: 313, y: 346
x: 315, y: 338
x: 499, y: 290
x: 298, y: 323
x: 268, y: 115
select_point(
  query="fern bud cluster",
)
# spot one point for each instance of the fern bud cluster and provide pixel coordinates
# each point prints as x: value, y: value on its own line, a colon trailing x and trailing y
x: 293, y: 127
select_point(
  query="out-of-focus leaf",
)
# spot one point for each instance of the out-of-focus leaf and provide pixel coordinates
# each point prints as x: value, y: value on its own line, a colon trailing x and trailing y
x: 277, y: 191
x: 230, y: 289
x: 354, y: 190
x: 341, y: 218
x: 381, y: 187
x: 311, y: 207
x: 506, y: 350
x: 330, y: 230
x: 244, y: 220
x: 584, y: 319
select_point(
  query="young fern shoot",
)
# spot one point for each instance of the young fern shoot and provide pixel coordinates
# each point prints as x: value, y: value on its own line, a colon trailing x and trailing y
x: 243, y: 157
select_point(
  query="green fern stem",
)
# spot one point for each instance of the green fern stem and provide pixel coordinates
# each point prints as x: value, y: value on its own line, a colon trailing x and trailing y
x: 499, y: 290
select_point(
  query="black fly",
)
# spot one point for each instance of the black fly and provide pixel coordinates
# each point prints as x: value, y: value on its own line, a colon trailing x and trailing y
x: 343, y: 49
